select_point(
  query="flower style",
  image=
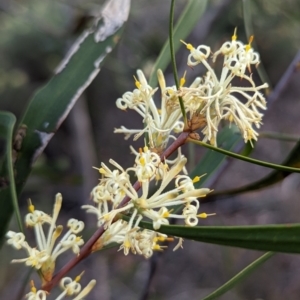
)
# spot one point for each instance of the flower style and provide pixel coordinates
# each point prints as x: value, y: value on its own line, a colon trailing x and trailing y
x: 70, y: 288
x: 154, y: 206
x: 43, y: 257
x: 158, y: 122
x: 218, y: 99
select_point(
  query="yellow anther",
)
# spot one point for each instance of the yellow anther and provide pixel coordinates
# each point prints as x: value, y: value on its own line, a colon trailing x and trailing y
x: 205, y: 215
x: 234, y: 37
x: 182, y: 80
x: 163, y: 239
x: 196, y: 179
x: 142, y: 161
x: 106, y: 217
x: 166, y: 214
x: 146, y: 149
x: 188, y: 46
x: 157, y: 247
x: 248, y: 46
x: 142, y: 203
x: 102, y: 171
x: 250, y: 133
x: 30, y: 206
x: 127, y: 244
x: 159, y: 111
x: 58, y: 231
x: 170, y: 92
x: 33, y: 288
x: 137, y: 83
x: 78, y: 278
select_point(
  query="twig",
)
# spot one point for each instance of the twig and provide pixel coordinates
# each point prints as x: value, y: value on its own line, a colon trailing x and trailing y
x: 86, y: 250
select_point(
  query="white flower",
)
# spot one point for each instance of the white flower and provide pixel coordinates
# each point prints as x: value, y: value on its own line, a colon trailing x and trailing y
x: 75, y: 226
x: 143, y: 242
x: 36, y: 295
x: 146, y: 163
x: 35, y: 258
x: 43, y: 257
x: 16, y: 239
x: 70, y: 288
x: 115, y: 233
x: 218, y: 99
x: 158, y: 122
x: 109, y: 192
x: 145, y: 204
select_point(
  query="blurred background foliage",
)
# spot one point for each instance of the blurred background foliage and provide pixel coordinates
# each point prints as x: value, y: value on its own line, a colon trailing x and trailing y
x: 35, y: 35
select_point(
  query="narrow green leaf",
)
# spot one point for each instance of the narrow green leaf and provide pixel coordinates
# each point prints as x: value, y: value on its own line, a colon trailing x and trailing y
x: 187, y: 21
x: 276, y: 238
x: 51, y: 104
x: 293, y: 160
x: 238, y: 277
x: 248, y: 159
x: 9, y: 199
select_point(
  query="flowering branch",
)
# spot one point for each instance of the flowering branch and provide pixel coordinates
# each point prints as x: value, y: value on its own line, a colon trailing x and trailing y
x: 87, y: 249
x: 207, y: 100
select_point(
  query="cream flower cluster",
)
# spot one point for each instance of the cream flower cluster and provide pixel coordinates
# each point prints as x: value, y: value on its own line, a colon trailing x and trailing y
x: 43, y: 256
x: 213, y: 98
x: 217, y: 98
x: 151, y: 204
x: 158, y: 122
x: 70, y: 288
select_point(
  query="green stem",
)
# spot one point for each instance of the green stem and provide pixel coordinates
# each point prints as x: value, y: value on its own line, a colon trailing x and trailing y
x: 248, y: 159
x: 172, y: 52
x: 247, y: 14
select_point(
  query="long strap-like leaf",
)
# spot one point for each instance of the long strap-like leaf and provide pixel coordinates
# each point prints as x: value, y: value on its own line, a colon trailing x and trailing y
x: 51, y: 104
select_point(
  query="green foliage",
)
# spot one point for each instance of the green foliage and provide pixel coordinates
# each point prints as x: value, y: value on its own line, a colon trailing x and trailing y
x: 276, y: 238
x: 187, y: 21
x: 9, y: 199
x: 228, y: 138
x: 239, y: 277
x: 52, y: 103
x: 293, y: 160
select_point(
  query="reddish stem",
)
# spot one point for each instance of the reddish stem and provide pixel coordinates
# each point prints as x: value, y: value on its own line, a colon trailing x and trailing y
x: 86, y: 250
